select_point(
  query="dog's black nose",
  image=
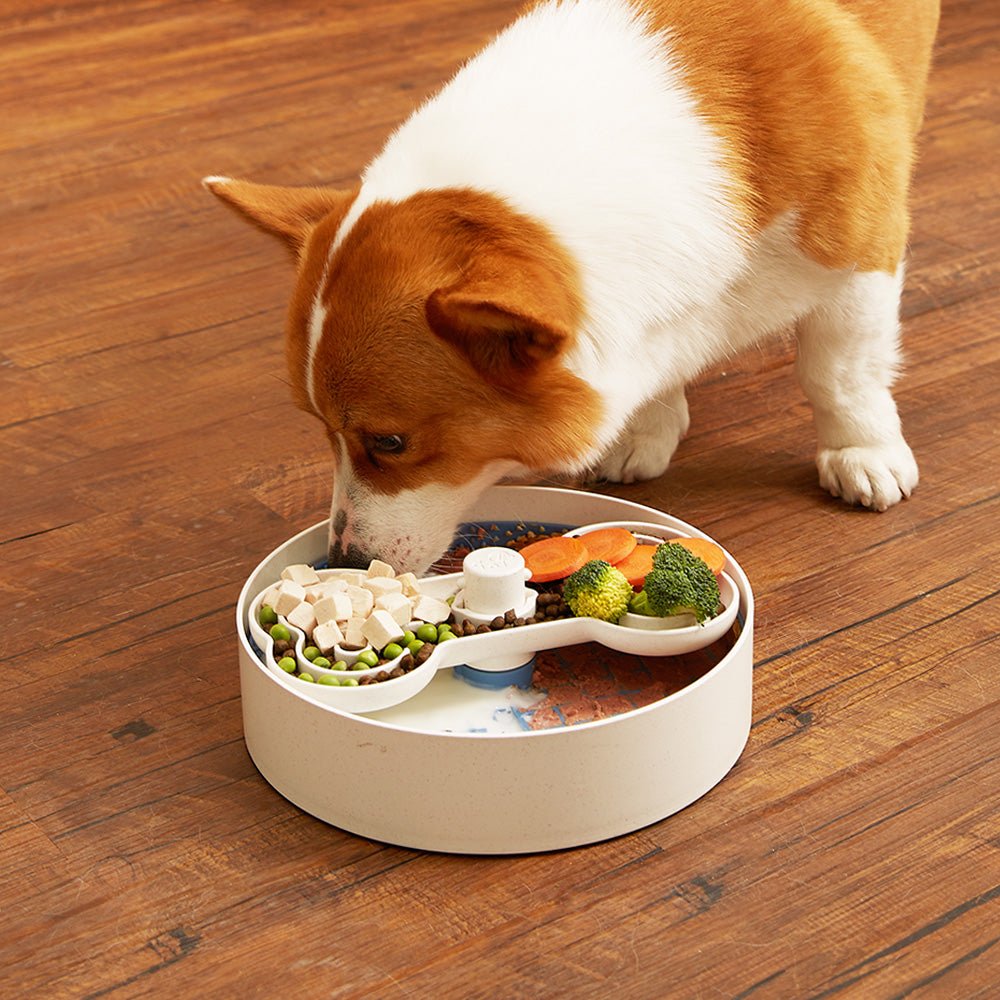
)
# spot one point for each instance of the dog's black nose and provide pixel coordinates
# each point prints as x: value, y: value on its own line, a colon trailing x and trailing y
x: 350, y: 558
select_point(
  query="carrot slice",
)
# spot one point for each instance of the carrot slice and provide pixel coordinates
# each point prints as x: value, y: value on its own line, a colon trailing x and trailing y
x: 610, y: 544
x: 637, y: 564
x: 554, y: 558
x: 704, y: 549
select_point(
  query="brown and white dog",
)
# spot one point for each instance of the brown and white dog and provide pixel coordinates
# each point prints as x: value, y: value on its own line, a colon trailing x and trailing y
x: 608, y: 198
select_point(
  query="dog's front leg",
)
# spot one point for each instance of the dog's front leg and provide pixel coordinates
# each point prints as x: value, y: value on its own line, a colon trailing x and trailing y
x: 848, y: 354
x: 644, y: 448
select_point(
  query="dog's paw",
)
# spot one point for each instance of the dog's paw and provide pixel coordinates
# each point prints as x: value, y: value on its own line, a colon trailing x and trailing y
x: 644, y: 449
x: 874, y: 476
x: 635, y: 458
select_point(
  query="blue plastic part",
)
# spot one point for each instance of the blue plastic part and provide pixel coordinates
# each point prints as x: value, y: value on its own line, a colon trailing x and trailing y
x: 493, y: 680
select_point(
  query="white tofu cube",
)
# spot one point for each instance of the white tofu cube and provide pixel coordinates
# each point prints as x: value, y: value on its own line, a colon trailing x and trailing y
x: 302, y: 617
x: 326, y: 588
x: 430, y: 609
x: 301, y: 574
x: 378, y: 568
x: 380, y: 628
x: 354, y: 634
x: 352, y: 577
x: 290, y: 596
x: 362, y: 601
x: 333, y: 609
x: 400, y: 607
x: 410, y: 586
x: 270, y: 597
x: 382, y: 585
x: 326, y: 636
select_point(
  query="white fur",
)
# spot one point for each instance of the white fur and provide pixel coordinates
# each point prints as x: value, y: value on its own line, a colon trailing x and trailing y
x: 847, y: 360
x: 577, y: 116
x: 317, y: 317
x: 614, y: 161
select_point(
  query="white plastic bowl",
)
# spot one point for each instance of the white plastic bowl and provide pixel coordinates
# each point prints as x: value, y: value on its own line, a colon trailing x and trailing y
x: 497, y: 793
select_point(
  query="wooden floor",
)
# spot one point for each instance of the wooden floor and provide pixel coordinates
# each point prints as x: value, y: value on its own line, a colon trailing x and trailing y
x: 151, y: 456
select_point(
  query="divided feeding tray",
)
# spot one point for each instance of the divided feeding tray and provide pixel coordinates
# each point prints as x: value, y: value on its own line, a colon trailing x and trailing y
x: 625, y: 726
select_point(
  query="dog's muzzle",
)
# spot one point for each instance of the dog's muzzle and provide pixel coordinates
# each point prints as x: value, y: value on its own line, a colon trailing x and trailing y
x: 343, y: 551
x: 350, y: 557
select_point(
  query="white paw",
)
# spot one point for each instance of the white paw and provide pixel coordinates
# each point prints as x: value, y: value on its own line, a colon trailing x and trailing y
x: 644, y: 448
x: 634, y: 458
x: 875, y: 476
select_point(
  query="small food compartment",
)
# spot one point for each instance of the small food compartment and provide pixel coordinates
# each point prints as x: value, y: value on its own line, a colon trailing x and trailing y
x: 542, y: 684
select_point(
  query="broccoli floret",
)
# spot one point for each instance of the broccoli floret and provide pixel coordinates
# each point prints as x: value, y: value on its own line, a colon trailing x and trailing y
x: 679, y: 583
x: 597, y: 590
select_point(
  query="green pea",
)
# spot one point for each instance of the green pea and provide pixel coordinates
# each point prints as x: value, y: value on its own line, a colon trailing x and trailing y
x: 392, y: 651
x: 445, y: 636
x: 339, y: 665
x: 280, y: 632
x: 368, y: 657
x: 308, y: 678
x: 414, y: 646
x: 349, y: 682
x: 329, y: 680
x: 427, y: 632
x: 310, y: 653
x: 321, y: 661
x: 408, y: 637
x: 444, y: 629
x: 358, y: 665
x: 267, y: 615
x: 288, y: 665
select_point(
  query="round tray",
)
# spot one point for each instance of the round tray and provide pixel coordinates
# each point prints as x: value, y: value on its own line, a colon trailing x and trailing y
x: 497, y: 793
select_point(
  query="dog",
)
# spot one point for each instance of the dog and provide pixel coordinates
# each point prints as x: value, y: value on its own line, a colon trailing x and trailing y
x: 608, y: 198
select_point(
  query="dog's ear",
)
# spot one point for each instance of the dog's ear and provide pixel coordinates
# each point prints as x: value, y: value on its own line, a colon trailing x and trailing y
x: 288, y: 212
x: 509, y: 313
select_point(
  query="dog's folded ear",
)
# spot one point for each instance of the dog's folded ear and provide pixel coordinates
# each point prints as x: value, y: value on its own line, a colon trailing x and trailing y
x: 509, y: 313
x: 288, y: 212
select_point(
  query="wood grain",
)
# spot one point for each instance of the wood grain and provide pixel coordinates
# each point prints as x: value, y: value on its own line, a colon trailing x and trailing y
x: 150, y: 456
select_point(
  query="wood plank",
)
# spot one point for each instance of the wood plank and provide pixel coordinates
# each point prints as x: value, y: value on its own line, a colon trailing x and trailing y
x: 151, y: 456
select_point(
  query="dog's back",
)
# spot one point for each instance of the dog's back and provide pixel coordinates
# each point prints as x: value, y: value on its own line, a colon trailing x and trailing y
x: 818, y: 103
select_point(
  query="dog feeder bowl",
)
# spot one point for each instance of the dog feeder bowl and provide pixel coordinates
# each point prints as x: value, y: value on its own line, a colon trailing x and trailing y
x: 416, y: 775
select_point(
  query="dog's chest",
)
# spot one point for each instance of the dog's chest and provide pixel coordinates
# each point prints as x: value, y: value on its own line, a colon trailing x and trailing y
x: 631, y: 363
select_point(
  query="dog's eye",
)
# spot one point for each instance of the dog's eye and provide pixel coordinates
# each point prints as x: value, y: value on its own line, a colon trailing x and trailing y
x: 388, y: 444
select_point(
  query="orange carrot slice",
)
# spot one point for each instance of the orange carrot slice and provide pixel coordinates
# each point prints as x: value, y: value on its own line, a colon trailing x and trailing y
x: 704, y: 549
x: 554, y: 558
x: 637, y: 564
x: 610, y: 544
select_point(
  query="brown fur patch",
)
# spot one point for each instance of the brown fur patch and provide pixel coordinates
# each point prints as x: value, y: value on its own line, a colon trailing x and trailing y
x: 481, y: 389
x: 818, y: 104
x: 289, y: 212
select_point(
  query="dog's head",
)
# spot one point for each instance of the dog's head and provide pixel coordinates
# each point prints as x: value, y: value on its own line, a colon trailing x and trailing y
x: 429, y: 336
